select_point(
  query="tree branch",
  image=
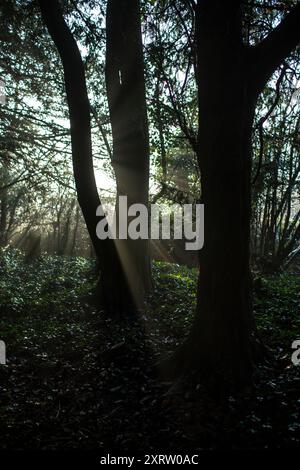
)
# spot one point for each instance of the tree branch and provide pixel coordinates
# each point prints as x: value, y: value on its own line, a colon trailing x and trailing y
x: 263, y: 119
x: 79, y: 112
x: 271, y: 51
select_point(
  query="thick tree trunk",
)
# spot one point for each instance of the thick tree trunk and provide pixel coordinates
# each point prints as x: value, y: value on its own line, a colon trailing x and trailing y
x: 128, y: 114
x: 230, y: 77
x: 220, y: 339
x: 224, y: 322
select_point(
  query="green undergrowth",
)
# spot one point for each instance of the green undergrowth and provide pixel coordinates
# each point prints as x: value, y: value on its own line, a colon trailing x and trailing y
x: 76, y: 378
x: 56, y: 286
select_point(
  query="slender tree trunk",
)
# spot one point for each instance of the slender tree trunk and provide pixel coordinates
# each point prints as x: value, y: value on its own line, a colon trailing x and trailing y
x: 4, y: 203
x: 3, y: 216
x: 160, y: 126
x: 75, y: 231
x: 64, y: 239
x: 114, y: 291
x: 125, y: 85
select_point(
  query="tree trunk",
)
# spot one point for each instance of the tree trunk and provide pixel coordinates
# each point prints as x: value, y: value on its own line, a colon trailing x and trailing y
x: 125, y: 85
x: 220, y: 339
x: 3, y: 216
x: 230, y: 77
x: 114, y: 291
x: 4, y: 203
x: 75, y: 231
x: 224, y: 321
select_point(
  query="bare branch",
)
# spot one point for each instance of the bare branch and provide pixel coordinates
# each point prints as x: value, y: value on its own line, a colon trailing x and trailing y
x: 271, y: 51
x: 263, y: 119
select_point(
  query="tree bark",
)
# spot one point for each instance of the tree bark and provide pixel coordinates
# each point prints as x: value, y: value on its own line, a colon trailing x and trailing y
x: 126, y: 94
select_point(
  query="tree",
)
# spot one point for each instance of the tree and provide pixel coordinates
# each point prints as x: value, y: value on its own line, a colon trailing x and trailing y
x: 276, y: 216
x: 115, y: 292
x: 125, y: 83
x: 34, y: 139
x: 230, y: 77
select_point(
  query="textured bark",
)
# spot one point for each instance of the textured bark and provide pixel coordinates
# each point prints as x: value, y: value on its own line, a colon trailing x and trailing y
x: 125, y: 85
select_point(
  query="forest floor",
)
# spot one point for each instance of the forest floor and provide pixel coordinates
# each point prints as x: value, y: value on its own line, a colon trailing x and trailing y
x: 77, y: 379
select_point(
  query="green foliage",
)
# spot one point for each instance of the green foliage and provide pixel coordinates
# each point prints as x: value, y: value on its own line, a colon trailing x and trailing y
x: 173, y: 298
x: 70, y: 365
x: 55, y: 284
x: 50, y: 282
x: 277, y: 307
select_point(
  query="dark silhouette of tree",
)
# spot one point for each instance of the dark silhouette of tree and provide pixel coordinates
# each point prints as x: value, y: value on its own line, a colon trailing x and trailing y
x: 115, y: 294
x: 230, y: 78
